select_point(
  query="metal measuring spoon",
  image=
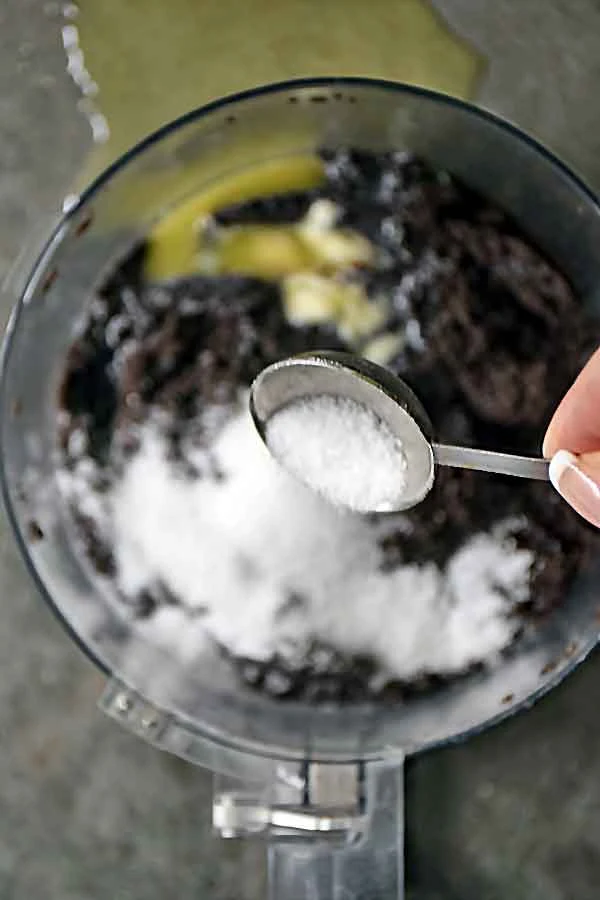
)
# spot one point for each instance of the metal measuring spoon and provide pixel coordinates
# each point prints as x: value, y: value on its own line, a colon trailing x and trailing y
x: 343, y: 375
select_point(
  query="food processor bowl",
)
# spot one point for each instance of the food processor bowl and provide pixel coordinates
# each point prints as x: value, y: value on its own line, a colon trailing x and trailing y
x: 202, y: 712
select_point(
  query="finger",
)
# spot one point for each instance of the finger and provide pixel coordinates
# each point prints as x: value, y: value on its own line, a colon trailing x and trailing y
x: 575, y: 425
x: 577, y: 479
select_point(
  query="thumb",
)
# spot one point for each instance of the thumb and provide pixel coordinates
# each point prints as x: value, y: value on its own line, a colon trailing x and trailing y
x: 577, y: 479
x: 575, y: 425
x: 573, y: 443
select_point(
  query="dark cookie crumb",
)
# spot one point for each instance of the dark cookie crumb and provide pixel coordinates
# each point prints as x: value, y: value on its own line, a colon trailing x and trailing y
x: 571, y: 650
x: 145, y: 603
x: 34, y: 531
x: 327, y: 676
x: 549, y: 667
x: 282, y: 209
x: 481, y: 313
x: 96, y: 547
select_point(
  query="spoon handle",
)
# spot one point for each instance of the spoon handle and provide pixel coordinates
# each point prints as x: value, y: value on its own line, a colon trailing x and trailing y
x: 488, y: 461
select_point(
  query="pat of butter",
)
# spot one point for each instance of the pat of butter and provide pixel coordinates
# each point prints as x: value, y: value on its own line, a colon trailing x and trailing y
x: 383, y: 348
x: 310, y: 299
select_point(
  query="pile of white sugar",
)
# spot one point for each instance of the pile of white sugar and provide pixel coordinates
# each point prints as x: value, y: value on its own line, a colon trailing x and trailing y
x: 269, y: 567
x: 341, y: 449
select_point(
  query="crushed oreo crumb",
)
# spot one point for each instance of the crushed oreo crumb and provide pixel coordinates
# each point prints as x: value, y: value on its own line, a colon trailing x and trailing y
x: 481, y: 313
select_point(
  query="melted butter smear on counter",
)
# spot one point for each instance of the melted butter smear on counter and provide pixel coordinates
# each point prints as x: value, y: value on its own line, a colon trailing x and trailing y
x: 153, y: 61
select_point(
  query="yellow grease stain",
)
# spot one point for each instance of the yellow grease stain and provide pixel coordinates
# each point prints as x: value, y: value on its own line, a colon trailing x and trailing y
x: 156, y: 59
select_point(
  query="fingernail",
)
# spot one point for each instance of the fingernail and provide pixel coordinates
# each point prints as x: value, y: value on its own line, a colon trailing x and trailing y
x: 577, y: 478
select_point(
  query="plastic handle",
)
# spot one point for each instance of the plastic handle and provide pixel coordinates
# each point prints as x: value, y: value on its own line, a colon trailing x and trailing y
x: 489, y: 461
x: 334, y: 831
x: 368, y: 865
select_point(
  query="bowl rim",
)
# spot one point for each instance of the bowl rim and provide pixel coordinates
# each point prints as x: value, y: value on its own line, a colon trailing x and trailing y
x: 30, y: 277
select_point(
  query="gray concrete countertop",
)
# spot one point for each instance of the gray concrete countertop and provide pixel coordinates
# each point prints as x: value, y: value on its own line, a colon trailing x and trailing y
x: 91, y: 813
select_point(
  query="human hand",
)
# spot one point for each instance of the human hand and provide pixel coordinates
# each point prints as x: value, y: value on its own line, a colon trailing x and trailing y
x: 572, y: 443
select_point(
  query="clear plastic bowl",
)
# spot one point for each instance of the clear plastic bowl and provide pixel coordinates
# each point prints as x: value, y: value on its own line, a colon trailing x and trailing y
x: 551, y: 205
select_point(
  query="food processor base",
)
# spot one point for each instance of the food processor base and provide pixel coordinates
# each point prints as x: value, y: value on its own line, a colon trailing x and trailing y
x: 334, y: 831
